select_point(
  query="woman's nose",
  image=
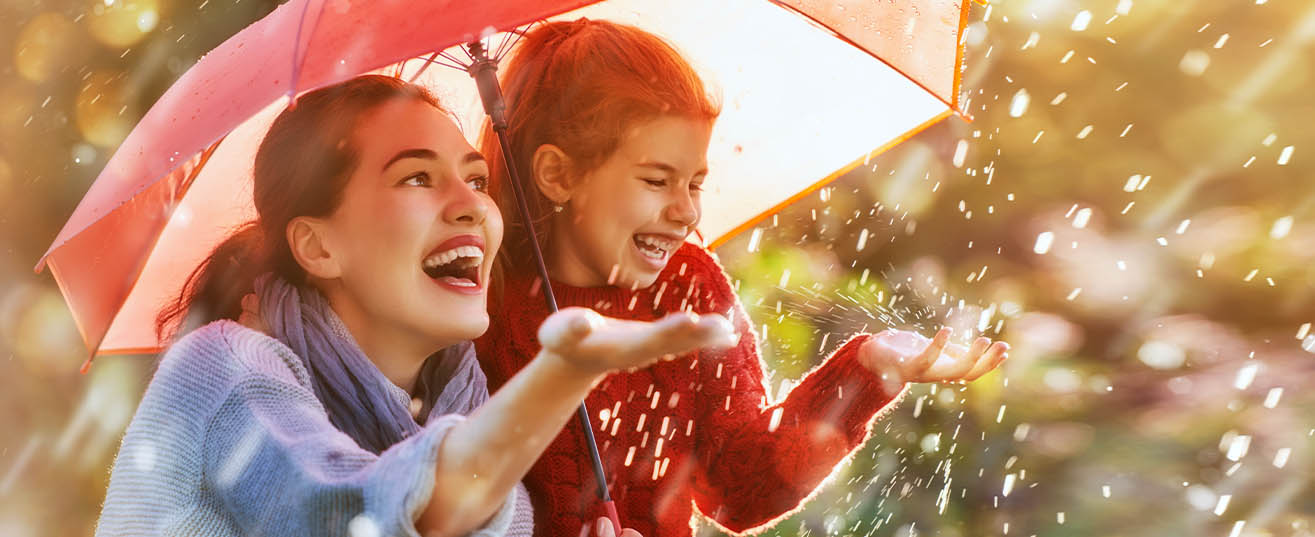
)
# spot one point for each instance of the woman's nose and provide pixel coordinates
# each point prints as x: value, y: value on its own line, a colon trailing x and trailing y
x: 463, y: 204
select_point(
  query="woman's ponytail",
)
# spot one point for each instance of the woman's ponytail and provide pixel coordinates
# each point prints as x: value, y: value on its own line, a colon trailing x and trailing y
x: 215, y: 288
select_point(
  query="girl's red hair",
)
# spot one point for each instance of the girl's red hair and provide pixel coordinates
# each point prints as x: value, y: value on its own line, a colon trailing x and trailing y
x: 581, y: 86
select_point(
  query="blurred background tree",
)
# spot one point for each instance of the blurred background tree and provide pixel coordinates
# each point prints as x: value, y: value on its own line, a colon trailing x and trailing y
x: 1132, y: 208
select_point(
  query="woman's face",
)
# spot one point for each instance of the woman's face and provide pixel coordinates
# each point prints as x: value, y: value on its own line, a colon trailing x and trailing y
x: 415, y: 233
x: 626, y: 218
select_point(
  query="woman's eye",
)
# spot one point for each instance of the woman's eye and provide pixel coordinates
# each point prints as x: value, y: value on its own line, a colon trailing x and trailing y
x: 419, y: 179
x: 479, y: 182
x: 655, y: 182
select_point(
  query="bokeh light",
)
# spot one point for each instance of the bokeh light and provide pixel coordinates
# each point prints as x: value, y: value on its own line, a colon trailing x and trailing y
x: 122, y: 23
x: 44, y: 46
x: 102, y: 107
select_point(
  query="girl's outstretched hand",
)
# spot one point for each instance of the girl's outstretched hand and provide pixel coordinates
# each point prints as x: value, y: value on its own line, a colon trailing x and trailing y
x: 596, y: 344
x: 900, y: 356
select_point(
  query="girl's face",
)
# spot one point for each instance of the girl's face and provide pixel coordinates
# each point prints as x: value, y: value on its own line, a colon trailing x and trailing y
x: 414, y: 237
x: 624, y: 220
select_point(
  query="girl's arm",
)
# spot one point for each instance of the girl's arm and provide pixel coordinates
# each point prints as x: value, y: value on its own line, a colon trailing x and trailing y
x: 758, y: 462
x: 483, y: 458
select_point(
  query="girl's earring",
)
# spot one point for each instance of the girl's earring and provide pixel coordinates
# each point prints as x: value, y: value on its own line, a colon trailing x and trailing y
x: 557, y: 208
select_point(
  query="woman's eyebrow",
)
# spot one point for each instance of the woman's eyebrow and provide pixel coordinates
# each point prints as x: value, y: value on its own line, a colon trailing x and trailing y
x: 411, y: 153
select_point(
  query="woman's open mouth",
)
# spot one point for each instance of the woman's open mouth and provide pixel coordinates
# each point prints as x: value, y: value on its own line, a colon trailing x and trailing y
x: 457, y: 268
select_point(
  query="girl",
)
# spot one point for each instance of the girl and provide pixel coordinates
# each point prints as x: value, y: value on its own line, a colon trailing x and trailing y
x: 611, y: 127
x: 372, y: 250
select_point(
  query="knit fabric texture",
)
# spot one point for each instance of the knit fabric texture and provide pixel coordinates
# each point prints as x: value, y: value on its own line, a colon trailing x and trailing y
x: 229, y: 439
x: 696, y: 431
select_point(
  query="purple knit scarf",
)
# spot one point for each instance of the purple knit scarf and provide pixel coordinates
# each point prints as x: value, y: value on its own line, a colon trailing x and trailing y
x: 358, y: 398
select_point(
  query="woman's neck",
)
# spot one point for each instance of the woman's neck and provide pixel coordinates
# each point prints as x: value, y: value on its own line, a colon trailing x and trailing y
x: 396, y: 351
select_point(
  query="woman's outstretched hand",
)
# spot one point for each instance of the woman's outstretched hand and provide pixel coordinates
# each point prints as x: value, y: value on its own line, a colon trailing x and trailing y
x: 900, y: 356
x: 595, y: 344
x: 603, y: 528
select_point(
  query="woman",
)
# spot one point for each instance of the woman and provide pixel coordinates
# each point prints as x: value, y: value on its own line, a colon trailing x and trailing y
x: 370, y: 260
x: 612, y: 126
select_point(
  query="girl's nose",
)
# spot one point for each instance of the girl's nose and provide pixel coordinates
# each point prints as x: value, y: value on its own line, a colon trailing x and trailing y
x: 683, y: 209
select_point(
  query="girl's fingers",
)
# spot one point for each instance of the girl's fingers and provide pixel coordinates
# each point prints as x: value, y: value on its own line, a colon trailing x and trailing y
x: 952, y: 364
x: 978, y: 346
x: 989, y: 360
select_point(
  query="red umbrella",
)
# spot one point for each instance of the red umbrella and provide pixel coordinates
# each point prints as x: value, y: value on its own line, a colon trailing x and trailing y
x: 180, y: 182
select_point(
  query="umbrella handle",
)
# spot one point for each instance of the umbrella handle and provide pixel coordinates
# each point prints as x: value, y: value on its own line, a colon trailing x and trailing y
x: 611, y: 515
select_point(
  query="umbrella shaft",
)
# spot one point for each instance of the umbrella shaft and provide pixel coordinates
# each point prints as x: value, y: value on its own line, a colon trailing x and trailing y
x: 523, y: 206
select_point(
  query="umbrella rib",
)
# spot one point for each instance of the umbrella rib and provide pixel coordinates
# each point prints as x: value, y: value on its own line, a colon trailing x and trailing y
x: 454, y: 59
x: 428, y: 61
x: 510, y: 42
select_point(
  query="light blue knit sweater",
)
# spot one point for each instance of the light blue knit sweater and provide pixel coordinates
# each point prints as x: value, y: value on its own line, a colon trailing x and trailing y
x: 230, y: 440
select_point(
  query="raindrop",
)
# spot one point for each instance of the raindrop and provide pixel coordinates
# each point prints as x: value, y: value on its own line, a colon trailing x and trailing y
x: 1308, y: 344
x: 1271, y: 399
x: 363, y: 526
x: 1245, y: 376
x: 1285, y: 156
x: 1194, y: 63
x: 1281, y: 227
x: 1201, y: 497
x: 1222, y: 505
x: 1222, y: 39
x: 1124, y: 7
x: 1281, y: 457
x: 1043, y: 242
x: 1161, y: 355
x: 1018, y: 106
x: 1081, y: 219
x: 1238, y: 447
x: 1081, y: 21
x: 961, y: 153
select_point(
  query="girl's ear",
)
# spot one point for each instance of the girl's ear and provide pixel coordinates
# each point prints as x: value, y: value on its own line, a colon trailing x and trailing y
x: 307, y: 238
x: 550, y: 168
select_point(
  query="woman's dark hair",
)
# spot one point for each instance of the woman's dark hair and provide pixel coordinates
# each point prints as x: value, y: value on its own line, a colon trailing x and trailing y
x: 301, y: 169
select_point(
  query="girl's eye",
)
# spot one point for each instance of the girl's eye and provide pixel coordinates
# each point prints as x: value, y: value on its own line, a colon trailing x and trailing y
x: 479, y: 183
x: 419, y: 179
x: 655, y: 182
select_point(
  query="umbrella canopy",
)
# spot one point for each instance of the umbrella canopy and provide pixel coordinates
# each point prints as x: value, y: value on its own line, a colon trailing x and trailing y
x: 799, y: 107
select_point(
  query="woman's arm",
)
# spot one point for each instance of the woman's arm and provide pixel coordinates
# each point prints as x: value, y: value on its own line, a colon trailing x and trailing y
x: 483, y: 458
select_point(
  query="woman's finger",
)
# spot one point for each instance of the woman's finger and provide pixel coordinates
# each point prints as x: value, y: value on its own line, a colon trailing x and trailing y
x: 565, y: 329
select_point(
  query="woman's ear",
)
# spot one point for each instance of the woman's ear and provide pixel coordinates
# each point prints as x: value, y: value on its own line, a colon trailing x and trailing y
x: 307, y: 240
x: 550, y: 169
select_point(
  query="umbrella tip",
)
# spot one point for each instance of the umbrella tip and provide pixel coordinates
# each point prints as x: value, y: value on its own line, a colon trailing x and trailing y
x: 86, y: 366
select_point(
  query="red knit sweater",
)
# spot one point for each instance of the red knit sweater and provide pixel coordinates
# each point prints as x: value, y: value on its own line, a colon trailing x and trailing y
x: 697, y: 430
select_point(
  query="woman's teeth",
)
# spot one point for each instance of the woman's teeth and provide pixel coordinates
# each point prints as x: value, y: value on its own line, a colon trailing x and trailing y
x: 655, y: 246
x: 475, y: 253
x: 458, y: 266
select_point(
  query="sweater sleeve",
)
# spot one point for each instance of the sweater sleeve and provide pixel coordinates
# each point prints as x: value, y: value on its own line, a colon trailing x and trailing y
x: 279, y: 467
x: 758, y: 462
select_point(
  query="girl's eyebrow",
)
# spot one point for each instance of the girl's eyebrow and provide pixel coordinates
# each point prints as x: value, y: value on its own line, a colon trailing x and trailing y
x: 659, y: 166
